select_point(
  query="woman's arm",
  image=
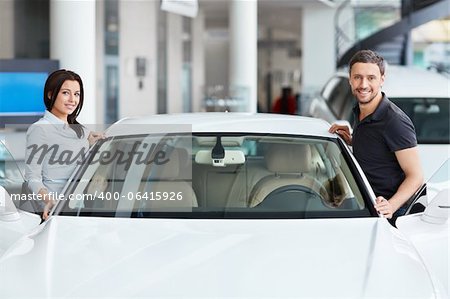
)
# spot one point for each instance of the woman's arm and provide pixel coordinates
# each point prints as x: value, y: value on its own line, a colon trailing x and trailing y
x: 35, y: 155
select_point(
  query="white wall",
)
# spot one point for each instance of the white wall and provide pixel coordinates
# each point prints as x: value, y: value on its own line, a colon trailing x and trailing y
x: 7, y: 29
x: 137, y: 38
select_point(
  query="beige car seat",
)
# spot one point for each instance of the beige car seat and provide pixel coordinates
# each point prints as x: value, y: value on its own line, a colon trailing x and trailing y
x: 292, y: 169
x: 169, y: 179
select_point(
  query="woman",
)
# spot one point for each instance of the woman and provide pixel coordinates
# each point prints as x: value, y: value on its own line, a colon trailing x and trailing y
x: 57, y: 142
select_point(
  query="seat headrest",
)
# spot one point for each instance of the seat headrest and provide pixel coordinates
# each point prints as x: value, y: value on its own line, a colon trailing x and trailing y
x: 288, y: 158
x: 177, y: 158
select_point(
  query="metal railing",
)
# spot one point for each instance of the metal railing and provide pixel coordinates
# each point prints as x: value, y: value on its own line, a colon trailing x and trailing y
x: 356, y: 20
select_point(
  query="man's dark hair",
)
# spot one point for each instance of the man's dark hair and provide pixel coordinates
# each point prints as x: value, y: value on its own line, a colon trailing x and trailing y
x: 367, y: 56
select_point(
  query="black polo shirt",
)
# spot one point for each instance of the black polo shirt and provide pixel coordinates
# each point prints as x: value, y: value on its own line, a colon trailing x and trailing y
x: 376, y: 139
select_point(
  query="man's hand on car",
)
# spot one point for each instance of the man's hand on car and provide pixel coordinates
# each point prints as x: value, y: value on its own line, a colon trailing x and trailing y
x: 343, y: 131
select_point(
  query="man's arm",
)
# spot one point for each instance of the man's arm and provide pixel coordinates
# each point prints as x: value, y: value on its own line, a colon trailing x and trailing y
x: 410, y: 163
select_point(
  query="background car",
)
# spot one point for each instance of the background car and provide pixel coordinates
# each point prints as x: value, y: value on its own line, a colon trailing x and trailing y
x: 12, y: 164
x: 221, y: 205
x: 423, y: 95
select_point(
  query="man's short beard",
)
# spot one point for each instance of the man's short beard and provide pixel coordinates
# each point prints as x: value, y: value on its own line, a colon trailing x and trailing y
x: 364, y: 103
x: 367, y: 102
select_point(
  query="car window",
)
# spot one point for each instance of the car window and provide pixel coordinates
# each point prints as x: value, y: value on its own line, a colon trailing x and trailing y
x: 210, y: 176
x: 430, y: 117
x: 329, y: 87
x: 339, y: 97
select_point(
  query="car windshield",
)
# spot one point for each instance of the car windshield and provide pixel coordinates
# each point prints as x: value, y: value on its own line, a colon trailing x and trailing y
x: 430, y: 118
x: 216, y: 176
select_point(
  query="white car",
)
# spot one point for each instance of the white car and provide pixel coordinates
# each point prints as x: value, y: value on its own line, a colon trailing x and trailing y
x: 12, y: 156
x: 423, y: 95
x: 223, y: 205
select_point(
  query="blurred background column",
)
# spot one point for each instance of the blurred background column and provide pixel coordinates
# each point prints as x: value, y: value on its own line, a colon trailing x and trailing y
x: 174, y: 63
x: 198, y: 61
x: 7, y: 29
x: 318, y: 53
x: 72, y: 42
x: 243, y: 49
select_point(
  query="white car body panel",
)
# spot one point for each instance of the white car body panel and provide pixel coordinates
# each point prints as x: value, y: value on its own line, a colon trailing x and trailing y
x: 81, y: 257
x: 431, y: 241
x: 229, y: 123
x: 91, y: 257
x: 11, y: 231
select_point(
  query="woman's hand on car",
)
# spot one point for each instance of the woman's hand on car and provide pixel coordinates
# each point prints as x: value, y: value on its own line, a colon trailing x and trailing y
x: 47, y: 208
x: 49, y: 202
x: 95, y: 136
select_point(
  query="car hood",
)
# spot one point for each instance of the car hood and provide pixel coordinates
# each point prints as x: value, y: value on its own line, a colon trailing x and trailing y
x: 191, y: 258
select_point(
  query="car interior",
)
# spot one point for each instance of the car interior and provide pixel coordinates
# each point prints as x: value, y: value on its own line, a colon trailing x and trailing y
x: 214, y: 173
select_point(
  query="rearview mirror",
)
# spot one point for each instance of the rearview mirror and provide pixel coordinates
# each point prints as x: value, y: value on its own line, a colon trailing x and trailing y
x: 231, y: 157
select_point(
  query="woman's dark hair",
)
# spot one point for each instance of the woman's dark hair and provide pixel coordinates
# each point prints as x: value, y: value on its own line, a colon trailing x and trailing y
x: 367, y: 56
x: 52, y: 86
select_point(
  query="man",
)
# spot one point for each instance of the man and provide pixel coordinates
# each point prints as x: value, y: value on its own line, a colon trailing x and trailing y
x: 286, y: 103
x: 384, y: 140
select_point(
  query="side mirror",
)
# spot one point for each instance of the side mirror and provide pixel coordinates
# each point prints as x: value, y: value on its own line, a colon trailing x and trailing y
x: 8, y: 211
x: 438, y: 211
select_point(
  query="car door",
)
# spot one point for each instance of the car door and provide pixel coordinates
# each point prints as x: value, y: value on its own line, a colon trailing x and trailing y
x: 15, y: 221
x: 428, y: 231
